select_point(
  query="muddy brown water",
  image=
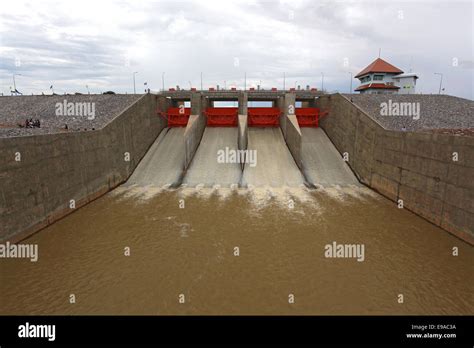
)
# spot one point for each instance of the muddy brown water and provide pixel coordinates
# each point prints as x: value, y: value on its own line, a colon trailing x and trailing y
x: 190, y: 251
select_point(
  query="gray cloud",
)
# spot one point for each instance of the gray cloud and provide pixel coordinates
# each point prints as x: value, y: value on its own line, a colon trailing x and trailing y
x: 101, y: 43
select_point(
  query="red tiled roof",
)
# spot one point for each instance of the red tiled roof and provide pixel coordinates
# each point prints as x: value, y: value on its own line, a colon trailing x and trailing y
x: 379, y: 65
x: 376, y: 86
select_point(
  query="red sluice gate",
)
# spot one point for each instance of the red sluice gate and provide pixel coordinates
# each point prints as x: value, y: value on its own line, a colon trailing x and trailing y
x: 263, y: 117
x: 309, y: 117
x: 177, y: 117
x: 222, y: 117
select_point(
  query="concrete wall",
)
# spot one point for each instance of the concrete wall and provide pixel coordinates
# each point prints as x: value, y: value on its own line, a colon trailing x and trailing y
x: 80, y: 166
x: 243, y: 103
x: 417, y: 168
x: 195, y: 128
x: 243, y: 137
x: 284, y: 103
x: 289, y: 126
x: 293, y: 139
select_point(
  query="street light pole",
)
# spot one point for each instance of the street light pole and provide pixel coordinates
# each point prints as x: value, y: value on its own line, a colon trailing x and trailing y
x: 134, y: 89
x: 440, y: 81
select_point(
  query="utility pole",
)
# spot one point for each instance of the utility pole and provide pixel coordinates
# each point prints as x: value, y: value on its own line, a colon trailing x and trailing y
x: 163, y: 81
x: 245, y: 81
x: 440, y: 81
x: 134, y: 89
x: 322, y: 82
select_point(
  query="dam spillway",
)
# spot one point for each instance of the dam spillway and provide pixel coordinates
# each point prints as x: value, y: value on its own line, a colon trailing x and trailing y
x: 205, y: 169
x: 322, y: 162
x: 276, y: 167
x: 182, y: 214
x: 163, y: 164
x: 313, y: 161
x: 159, y: 141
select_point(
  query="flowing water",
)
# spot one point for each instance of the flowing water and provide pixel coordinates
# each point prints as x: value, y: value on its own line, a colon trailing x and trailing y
x: 182, y: 242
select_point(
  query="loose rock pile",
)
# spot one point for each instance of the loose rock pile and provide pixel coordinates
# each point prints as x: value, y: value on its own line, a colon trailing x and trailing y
x: 14, y: 111
x: 436, y: 111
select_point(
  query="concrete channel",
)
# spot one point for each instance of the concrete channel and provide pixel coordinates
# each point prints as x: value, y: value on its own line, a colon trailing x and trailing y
x: 163, y: 164
x: 322, y: 163
x: 205, y: 168
x: 275, y: 164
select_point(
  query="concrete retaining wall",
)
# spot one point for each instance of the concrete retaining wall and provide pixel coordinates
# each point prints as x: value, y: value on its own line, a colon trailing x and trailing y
x: 417, y: 168
x: 81, y: 166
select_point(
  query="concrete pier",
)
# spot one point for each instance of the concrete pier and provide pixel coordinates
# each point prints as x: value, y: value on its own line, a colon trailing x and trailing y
x: 195, y: 128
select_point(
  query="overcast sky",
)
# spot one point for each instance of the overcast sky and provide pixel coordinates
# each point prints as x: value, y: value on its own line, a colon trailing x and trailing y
x: 71, y: 44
